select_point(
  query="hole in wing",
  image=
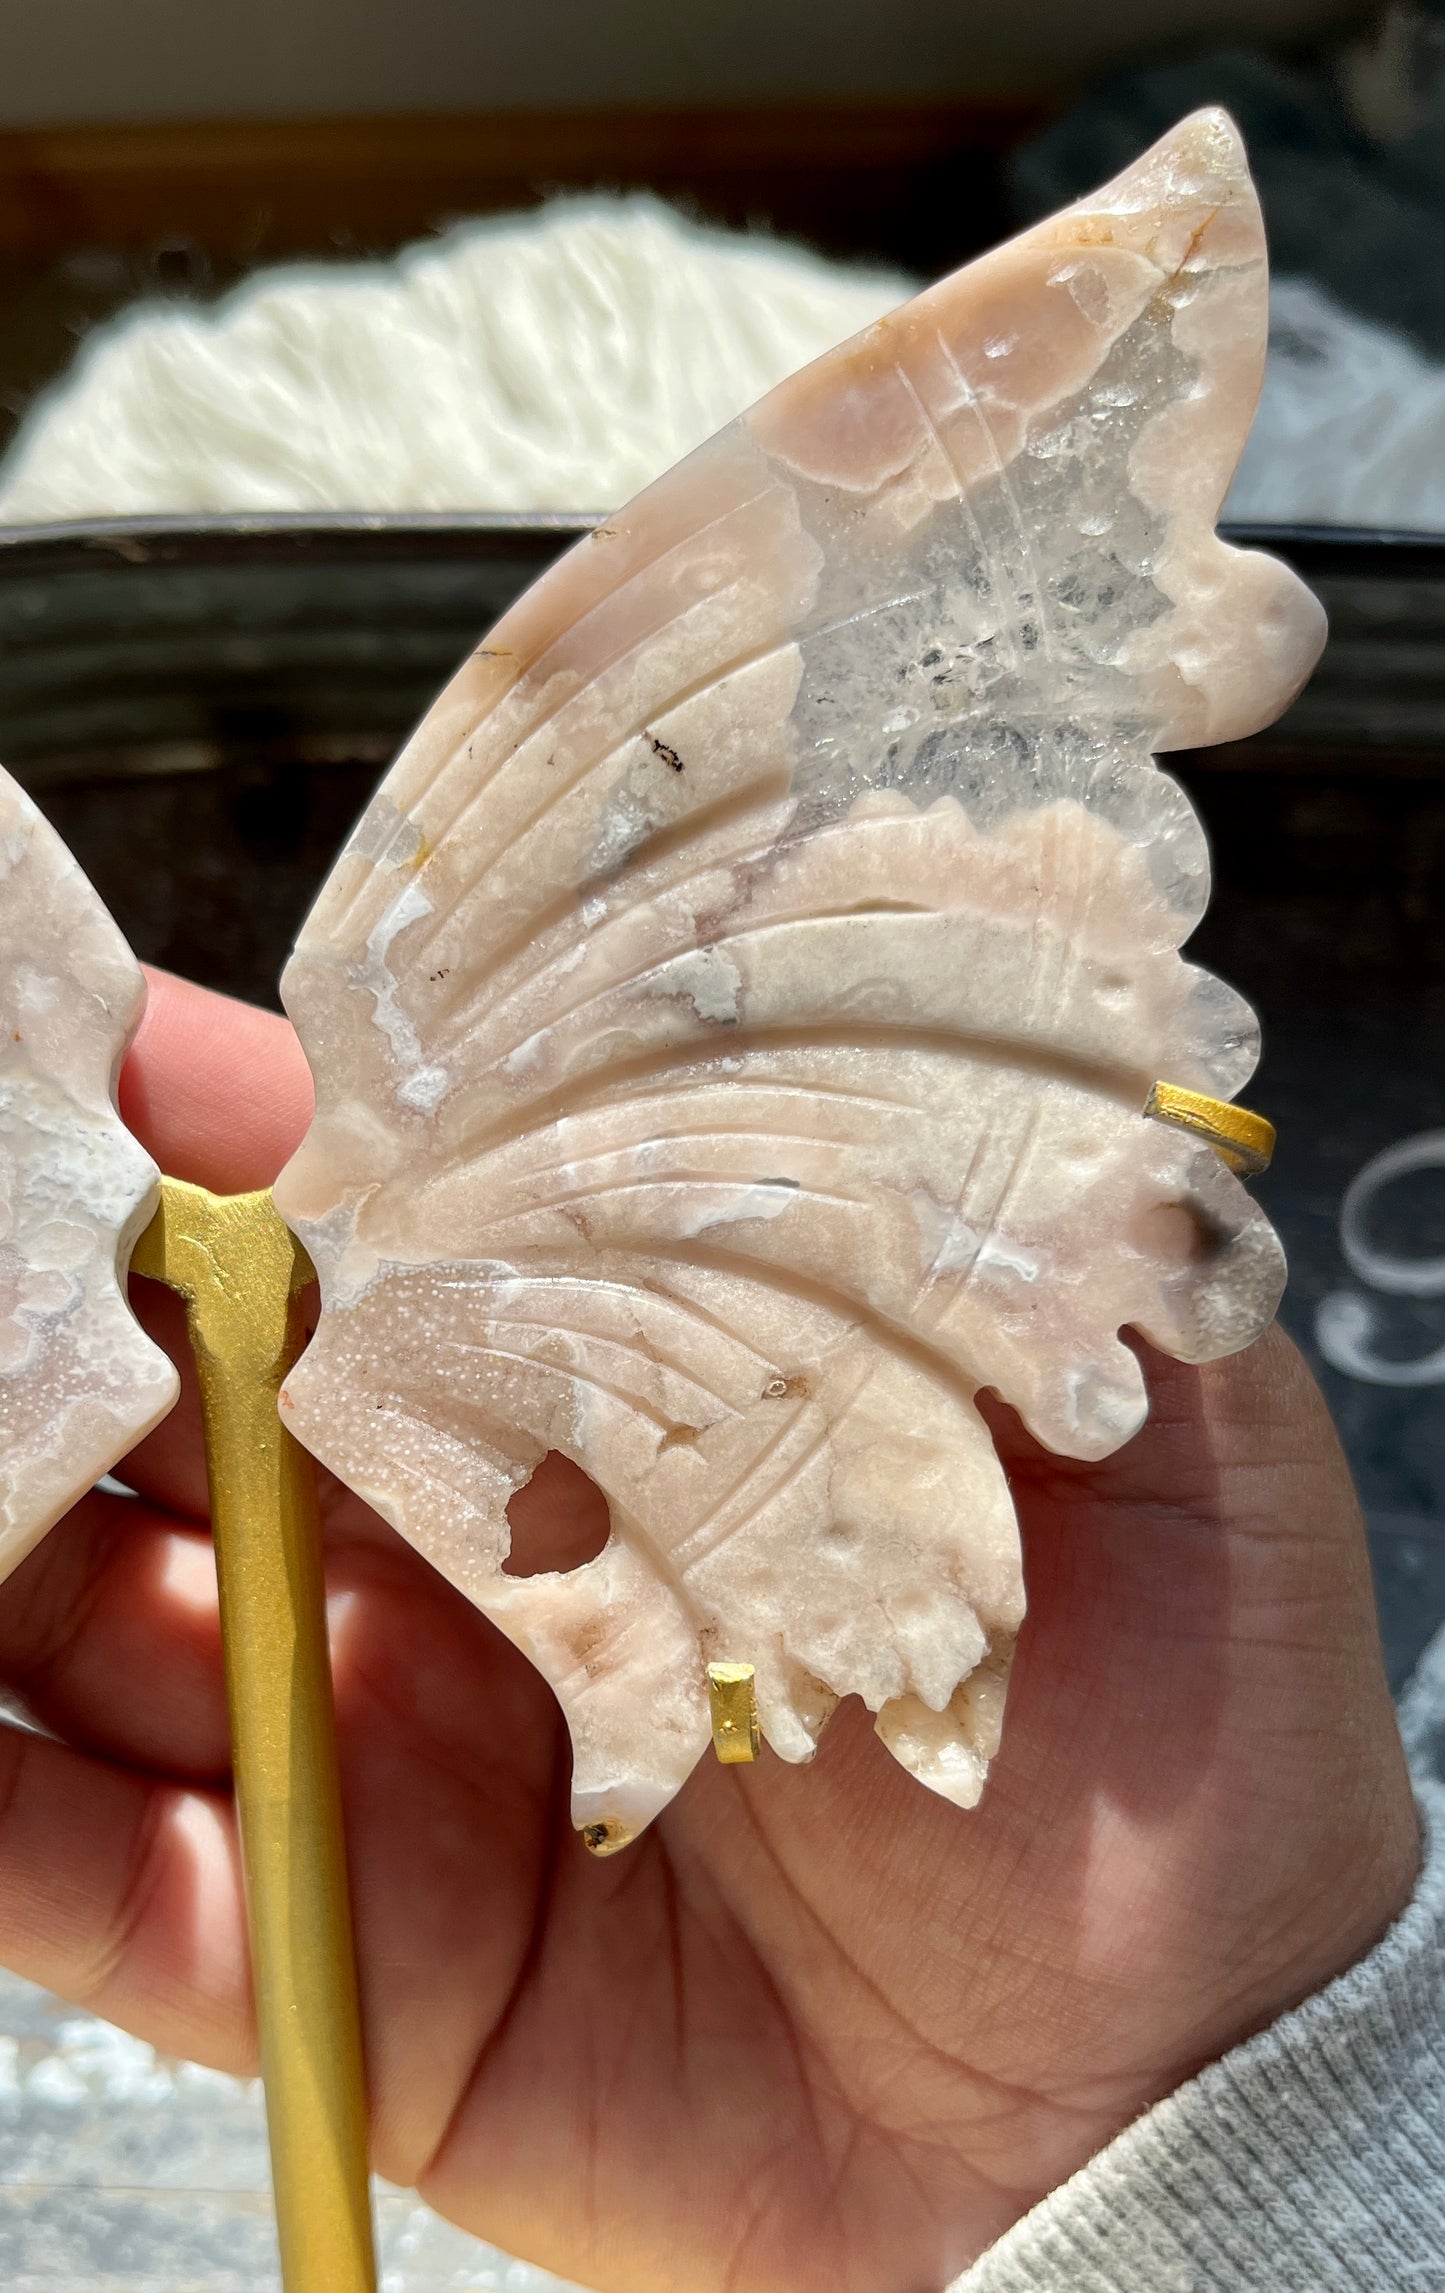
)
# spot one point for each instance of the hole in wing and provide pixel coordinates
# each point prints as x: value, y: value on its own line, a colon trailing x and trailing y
x: 558, y: 1520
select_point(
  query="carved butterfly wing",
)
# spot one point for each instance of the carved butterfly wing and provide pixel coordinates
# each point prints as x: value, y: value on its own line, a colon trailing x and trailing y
x: 80, y: 1383
x: 733, y: 1016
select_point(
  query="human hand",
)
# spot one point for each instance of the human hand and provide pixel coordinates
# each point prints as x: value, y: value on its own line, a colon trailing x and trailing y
x: 817, y: 2029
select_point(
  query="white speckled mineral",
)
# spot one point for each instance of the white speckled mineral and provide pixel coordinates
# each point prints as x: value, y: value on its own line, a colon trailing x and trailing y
x: 79, y: 1380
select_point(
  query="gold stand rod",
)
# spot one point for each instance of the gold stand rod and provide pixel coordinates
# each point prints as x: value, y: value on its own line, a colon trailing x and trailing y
x: 240, y: 1273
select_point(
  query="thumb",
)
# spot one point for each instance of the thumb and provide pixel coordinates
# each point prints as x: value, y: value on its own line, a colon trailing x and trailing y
x: 217, y: 1090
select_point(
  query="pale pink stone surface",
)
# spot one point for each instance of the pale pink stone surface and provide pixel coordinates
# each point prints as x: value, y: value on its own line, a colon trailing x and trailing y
x: 731, y: 1019
x: 80, y: 1382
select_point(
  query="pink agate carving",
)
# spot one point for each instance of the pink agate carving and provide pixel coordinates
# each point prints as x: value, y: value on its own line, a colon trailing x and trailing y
x: 80, y: 1382
x: 733, y: 1016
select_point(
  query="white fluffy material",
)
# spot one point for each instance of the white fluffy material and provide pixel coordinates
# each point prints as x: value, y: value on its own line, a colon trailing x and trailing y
x: 1351, y: 427
x: 561, y: 360
x: 554, y: 361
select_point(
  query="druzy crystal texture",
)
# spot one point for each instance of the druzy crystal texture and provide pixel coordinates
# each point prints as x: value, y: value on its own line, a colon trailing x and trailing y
x: 79, y: 1380
x: 733, y: 1017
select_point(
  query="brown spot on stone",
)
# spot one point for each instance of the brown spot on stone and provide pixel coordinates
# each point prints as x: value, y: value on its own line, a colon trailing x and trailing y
x: 605, y: 1838
x: 586, y: 1640
x: 787, y: 1389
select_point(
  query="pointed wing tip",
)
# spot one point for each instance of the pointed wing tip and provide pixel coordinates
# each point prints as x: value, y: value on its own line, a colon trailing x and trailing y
x: 1188, y: 200
x: 1208, y: 136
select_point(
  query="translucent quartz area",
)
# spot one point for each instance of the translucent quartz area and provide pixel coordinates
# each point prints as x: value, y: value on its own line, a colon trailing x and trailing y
x: 733, y: 1016
x: 79, y: 1380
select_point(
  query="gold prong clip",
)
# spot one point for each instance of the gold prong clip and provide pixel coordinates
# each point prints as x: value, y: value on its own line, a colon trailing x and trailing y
x: 732, y: 1693
x: 1245, y: 1141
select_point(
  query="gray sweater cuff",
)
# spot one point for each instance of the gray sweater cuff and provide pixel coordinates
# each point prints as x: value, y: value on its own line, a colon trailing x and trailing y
x: 1310, y: 2158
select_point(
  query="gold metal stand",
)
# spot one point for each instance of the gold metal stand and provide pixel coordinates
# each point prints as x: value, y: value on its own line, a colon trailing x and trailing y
x: 240, y: 1272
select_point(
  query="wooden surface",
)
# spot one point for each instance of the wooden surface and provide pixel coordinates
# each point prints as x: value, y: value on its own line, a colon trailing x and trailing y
x: 845, y: 173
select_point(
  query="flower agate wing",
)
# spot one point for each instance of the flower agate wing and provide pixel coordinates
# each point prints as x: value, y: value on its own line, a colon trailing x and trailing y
x: 80, y: 1382
x: 732, y: 1018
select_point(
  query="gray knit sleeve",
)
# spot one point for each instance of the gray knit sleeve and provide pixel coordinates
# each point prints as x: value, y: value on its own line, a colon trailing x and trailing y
x: 1309, y: 2160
